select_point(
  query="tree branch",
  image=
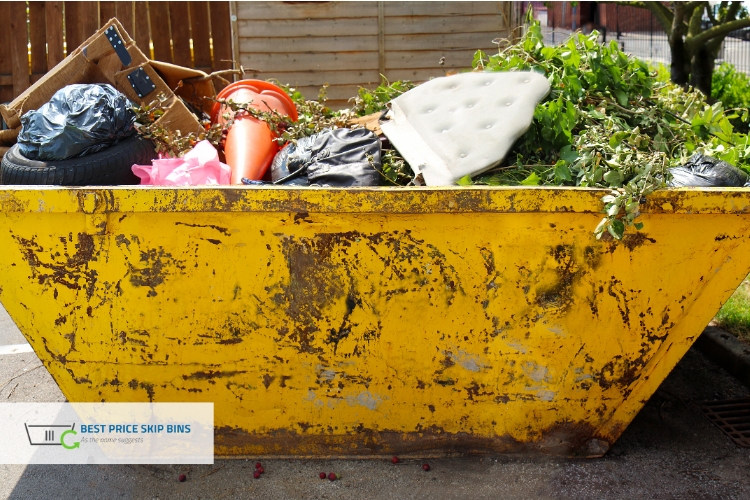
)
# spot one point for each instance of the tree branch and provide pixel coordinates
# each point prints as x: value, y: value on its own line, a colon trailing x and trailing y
x: 695, y: 19
x: 734, y: 8
x: 717, y: 31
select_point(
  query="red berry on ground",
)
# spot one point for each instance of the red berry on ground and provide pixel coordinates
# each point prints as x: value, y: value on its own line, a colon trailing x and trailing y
x: 332, y: 476
x: 425, y: 467
x: 323, y: 475
x: 182, y: 478
x: 261, y: 470
x: 257, y: 465
x: 256, y: 474
x: 395, y: 460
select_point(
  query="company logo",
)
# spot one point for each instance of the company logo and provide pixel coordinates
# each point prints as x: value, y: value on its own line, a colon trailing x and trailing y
x: 52, y: 435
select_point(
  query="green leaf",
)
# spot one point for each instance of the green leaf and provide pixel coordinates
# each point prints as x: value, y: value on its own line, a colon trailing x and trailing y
x: 617, y: 138
x: 569, y: 154
x: 465, y: 181
x: 562, y: 172
x: 614, y: 178
x: 638, y: 225
x: 617, y: 229
x: 531, y: 180
x: 621, y: 96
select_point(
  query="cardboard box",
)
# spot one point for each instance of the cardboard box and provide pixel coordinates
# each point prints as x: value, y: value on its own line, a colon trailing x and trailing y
x: 98, y: 61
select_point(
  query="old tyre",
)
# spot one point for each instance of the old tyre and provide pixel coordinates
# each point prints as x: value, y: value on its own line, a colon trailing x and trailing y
x: 105, y: 168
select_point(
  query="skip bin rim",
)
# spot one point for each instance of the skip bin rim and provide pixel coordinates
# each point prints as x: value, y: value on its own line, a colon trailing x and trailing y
x: 385, y: 200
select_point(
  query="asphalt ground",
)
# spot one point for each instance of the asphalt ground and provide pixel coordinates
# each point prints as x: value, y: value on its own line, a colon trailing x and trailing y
x: 669, y: 451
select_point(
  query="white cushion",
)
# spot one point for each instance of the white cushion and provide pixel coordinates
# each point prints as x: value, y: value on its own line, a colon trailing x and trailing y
x: 463, y: 124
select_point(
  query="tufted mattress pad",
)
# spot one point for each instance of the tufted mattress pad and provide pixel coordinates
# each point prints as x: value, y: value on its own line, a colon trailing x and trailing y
x: 463, y: 124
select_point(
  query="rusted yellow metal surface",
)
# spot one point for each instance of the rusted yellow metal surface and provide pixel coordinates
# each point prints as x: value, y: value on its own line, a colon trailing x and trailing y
x: 376, y: 321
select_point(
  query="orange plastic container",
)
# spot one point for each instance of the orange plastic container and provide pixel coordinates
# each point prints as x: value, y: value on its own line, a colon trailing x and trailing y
x: 249, y: 147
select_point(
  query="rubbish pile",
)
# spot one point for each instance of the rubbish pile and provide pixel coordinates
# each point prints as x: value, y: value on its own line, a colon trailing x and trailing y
x: 581, y: 114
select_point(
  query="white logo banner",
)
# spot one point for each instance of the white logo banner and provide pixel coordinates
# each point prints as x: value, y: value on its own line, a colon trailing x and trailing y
x: 106, y: 433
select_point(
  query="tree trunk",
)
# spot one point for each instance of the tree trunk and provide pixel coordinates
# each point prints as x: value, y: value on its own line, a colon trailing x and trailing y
x: 702, y: 70
x: 680, y: 68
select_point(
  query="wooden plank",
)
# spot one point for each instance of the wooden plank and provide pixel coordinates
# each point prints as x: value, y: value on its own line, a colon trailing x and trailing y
x: 381, y: 37
x: 235, y: 37
x: 141, y: 33
x: 414, y: 9
x: 310, y: 45
x: 160, y: 36
x: 179, y: 21
x: 200, y: 31
x: 448, y: 41
x: 124, y: 14
x: 415, y: 74
x: 284, y: 28
x: 450, y: 24
x: 326, y: 61
x: 107, y: 10
x: 73, y: 33
x: 18, y: 50
x: 318, y: 78
x: 38, y: 37
x: 305, y: 10
x: 53, y: 20
x: 335, y: 92
x: 221, y: 34
x: 6, y: 63
x: 428, y: 59
x: 88, y: 19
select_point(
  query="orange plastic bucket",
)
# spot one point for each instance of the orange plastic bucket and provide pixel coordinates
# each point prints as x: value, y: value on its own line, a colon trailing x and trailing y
x: 249, y: 148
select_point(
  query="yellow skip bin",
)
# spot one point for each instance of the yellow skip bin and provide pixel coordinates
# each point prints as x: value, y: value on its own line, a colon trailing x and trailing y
x: 363, y: 322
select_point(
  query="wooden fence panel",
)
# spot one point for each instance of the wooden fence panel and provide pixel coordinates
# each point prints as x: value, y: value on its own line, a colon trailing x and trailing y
x: 6, y: 63
x: 124, y: 14
x: 38, y: 40
x: 18, y: 48
x: 182, y: 32
x: 160, y: 37
x: 141, y: 28
x: 201, y: 34
x: 350, y: 44
x: 53, y: 21
x: 179, y: 19
x: 73, y: 35
x: 221, y: 33
x: 107, y: 10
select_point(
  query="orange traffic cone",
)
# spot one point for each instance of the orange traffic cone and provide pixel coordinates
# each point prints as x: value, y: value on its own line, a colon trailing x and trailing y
x: 249, y: 148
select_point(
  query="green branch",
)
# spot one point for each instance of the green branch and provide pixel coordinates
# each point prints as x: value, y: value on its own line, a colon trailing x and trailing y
x: 717, y: 31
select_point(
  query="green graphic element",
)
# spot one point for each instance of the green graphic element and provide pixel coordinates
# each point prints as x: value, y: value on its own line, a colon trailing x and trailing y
x: 62, y: 440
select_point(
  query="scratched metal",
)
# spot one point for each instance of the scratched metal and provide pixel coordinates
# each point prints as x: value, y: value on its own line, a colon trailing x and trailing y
x: 370, y: 322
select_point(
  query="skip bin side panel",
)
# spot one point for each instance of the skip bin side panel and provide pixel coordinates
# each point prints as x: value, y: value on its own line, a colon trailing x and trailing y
x: 365, y: 333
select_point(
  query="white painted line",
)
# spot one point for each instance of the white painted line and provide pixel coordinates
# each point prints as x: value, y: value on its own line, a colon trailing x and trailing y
x: 15, y: 349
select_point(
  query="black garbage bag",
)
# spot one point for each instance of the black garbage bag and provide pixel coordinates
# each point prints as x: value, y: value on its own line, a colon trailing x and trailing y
x: 706, y: 171
x: 332, y: 158
x: 290, y: 164
x: 77, y: 121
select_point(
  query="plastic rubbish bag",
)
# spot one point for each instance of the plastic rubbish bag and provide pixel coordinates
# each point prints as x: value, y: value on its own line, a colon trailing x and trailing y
x: 200, y: 166
x: 77, y: 121
x: 289, y: 164
x: 332, y: 158
x: 706, y: 171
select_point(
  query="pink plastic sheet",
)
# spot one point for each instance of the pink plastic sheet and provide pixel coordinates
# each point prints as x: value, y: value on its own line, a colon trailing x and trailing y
x: 200, y: 166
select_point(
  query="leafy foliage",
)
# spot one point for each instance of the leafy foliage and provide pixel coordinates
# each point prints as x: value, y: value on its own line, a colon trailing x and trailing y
x: 608, y: 122
x: 368, y: 102
x: 732, y: 88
